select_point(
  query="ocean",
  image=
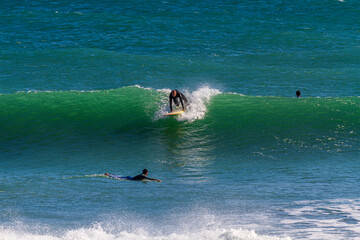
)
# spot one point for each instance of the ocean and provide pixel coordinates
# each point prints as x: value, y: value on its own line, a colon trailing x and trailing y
x: 84, y: 86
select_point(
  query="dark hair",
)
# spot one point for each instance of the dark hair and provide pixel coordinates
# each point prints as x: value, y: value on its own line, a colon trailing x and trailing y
x: 145, y: 171
x: 298, y: 93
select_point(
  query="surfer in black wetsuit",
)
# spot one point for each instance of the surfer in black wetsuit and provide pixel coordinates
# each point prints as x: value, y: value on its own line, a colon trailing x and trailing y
x: 298, y: 93
x: 176, y: 95
x: 139, y: 177
x: 143, y: 176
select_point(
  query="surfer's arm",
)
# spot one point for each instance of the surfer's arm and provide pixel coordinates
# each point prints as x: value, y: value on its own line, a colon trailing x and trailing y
x: 184, y: 98
x: 153, y: 179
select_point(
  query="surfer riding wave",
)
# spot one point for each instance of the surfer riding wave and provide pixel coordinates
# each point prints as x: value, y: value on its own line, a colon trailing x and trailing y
x: 177, y: 96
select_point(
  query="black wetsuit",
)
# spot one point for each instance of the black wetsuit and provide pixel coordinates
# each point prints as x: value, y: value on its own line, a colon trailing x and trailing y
x: 141, y: 177
x: 178, y: 96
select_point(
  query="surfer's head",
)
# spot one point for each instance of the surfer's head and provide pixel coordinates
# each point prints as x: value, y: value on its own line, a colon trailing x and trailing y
x: 173, y: 93
x: 298, y: 93
x: 145, y: 171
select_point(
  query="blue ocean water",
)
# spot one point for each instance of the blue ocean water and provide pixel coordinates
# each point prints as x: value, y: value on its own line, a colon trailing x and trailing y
x: 84, y: 85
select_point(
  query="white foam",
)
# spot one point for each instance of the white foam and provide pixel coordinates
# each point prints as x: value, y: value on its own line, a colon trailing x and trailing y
x: 86, y: 176
x: 198, y: 103
x: 197, y: 107
x: 98, y: 233
x: 325, y: 218
x: 194, y: 224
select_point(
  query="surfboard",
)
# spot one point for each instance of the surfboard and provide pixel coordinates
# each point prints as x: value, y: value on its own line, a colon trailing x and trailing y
x: 173, y: 113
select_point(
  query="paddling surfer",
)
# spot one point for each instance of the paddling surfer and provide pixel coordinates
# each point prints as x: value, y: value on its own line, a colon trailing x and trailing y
x: 144, y: 176
x: 139, y: 177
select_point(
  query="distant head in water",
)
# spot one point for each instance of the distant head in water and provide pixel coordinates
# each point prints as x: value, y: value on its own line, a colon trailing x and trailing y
x: 145, y: 172
x: 298, y: 93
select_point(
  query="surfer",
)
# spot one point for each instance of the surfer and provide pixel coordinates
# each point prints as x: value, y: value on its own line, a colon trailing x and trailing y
x: 144, y: 176
x: 176, y: 95
x: 139, y: 177
x: 298, y: 93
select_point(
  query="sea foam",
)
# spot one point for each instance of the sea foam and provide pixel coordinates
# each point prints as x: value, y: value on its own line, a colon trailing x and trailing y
x: 197, y: 107
x: 98, y: 233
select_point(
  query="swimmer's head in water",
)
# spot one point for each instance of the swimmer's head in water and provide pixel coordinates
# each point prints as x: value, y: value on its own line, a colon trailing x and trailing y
x: 145, y: 171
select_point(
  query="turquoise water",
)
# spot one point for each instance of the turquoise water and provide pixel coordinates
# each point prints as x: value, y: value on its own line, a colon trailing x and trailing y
x: 83, y: 87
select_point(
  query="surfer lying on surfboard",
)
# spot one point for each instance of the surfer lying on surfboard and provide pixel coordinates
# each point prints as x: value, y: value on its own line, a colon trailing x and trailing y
x: 139, y: 177
x: 176, y: 95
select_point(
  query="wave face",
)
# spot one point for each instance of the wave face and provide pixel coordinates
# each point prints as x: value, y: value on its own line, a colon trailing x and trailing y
x: 230, y: 118
x: 76, y: 112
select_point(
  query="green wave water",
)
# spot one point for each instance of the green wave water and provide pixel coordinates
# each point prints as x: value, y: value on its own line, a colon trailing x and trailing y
x: 235, y: 119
